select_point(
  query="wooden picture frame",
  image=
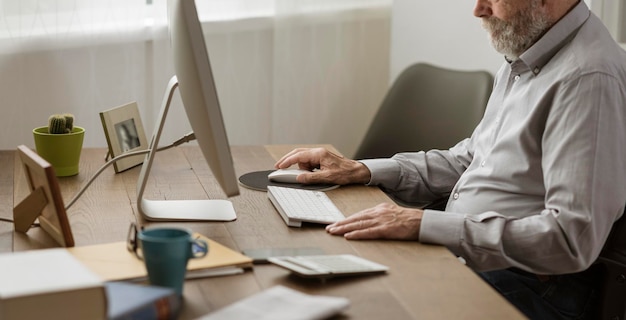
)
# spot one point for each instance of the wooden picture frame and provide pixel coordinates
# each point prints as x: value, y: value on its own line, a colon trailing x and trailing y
x: 124, y: 132
x: 44, y: 202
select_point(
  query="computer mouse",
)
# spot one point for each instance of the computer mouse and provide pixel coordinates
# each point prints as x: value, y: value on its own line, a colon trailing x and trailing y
x: 285, y: 175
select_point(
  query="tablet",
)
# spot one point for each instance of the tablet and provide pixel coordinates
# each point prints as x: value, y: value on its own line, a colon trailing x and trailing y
x: 260, y: 255
x: 328, y: 266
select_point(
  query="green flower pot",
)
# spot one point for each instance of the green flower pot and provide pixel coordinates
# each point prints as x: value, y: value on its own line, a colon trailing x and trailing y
x: 62, y: 151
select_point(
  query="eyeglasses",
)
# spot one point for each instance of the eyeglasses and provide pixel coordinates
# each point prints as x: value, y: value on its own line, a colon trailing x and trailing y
x: 131, y: 239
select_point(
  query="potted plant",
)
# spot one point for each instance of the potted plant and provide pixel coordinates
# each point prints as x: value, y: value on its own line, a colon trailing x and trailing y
x: 60, y: 143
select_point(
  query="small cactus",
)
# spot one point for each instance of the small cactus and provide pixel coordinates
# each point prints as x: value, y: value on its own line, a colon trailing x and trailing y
x: 58, y: 124
x: 69, y: 121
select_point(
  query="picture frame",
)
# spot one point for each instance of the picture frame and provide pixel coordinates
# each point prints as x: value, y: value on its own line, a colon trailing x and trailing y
x: 124, y: 132
x: 44, y: 201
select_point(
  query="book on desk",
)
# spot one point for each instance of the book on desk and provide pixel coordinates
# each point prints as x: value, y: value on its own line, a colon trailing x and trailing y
x: 49, y: 284
x: 69, y: 283
x: 129, y: 301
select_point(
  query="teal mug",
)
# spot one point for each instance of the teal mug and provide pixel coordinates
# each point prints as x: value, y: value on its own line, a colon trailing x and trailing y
x: 166, y: 252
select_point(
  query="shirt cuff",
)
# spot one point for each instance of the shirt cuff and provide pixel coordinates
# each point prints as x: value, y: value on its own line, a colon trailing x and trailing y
x: 444, y: 228
x: 381, y: 170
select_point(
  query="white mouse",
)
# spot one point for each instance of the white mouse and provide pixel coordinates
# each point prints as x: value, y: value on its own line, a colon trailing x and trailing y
x: 286, y: 175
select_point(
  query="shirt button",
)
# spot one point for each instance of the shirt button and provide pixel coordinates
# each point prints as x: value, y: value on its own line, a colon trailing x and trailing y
x: 482, y: 164
x: 517, y: 77
x: 455, y: 195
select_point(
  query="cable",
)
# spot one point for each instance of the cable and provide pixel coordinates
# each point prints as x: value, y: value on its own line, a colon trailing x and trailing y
x: 106, y: 165
x: 186, y: 138
x: 34, y: 225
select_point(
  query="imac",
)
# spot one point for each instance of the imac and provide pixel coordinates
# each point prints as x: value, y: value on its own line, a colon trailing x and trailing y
x: 194, y: 79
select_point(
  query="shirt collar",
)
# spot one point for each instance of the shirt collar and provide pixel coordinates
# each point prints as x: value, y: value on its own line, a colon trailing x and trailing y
x: 538, y: 55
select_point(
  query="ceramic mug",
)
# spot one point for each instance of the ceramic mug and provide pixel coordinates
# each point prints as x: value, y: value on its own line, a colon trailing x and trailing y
x: 166, y: 252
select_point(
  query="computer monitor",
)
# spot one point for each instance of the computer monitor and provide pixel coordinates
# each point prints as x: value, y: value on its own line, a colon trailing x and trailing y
x: 194, y: 79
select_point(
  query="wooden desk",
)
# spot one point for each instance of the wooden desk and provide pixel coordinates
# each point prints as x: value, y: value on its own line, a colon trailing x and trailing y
x: 424, y: 281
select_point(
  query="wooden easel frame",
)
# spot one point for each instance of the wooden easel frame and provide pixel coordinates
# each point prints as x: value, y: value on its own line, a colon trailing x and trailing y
x: 44, y: 202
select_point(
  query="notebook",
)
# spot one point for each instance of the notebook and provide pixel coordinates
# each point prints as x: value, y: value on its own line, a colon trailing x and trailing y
x: 112, y: 261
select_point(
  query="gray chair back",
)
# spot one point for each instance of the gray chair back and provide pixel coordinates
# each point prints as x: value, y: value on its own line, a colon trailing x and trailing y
x: 427, y: 107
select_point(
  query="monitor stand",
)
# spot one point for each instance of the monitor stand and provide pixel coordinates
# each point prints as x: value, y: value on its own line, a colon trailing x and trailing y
x: 176, y: 210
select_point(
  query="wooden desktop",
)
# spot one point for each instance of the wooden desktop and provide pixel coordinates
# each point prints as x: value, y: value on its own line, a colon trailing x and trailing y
x: 424, y: 281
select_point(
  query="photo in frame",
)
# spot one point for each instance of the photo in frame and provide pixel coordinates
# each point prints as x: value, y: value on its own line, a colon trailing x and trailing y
x: 124, y: 132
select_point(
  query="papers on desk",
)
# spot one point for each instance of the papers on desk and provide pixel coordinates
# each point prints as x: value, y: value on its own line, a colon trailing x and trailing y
x: 112, y: 261
x: 279, y: 303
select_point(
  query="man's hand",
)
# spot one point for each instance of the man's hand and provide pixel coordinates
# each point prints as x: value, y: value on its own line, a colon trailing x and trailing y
x: 384, y: 221
x: 333, y: 169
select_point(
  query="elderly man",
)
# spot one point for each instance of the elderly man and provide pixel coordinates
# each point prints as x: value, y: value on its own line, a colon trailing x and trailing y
x: 533, y: 193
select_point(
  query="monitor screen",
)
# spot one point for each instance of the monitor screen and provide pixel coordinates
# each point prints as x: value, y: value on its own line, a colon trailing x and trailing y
x: 197, y: 90
x: 194, y: 79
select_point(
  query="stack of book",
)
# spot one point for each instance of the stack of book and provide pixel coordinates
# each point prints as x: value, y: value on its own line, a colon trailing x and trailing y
x: 129, y: 301
x: 49, y: 284
x: 85, y: 282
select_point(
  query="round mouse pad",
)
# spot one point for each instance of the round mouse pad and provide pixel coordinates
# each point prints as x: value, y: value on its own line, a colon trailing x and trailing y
x: 257, y: 180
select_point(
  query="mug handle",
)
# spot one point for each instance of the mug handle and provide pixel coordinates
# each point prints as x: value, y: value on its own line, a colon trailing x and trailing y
x: 199, y: 248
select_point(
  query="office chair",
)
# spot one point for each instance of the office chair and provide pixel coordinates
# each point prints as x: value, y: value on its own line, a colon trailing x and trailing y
x: 612, y: 304
x: 427, y: 107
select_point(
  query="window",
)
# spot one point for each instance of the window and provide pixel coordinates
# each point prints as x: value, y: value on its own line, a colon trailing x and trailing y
x: 53, y: 24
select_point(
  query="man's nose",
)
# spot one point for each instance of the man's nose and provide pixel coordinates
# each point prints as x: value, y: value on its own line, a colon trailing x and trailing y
x: 483, y: 9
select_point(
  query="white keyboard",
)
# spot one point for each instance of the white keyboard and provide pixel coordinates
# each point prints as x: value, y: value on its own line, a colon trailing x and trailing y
x: 297, y: 205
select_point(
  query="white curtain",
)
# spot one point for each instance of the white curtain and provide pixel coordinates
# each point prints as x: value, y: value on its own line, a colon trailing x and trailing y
x: 332, y: 50
x: 613, y: 14
x: 320, y: 62
x: 32, y: 25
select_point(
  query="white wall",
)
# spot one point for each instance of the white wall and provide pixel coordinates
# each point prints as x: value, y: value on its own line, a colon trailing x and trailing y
x: 446, y: 33
x: 613, y: 13
x: 443, y: 33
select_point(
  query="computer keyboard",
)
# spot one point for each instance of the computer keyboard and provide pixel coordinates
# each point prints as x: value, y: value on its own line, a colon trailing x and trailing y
x: 297, y: 205
x: 324, y: 266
